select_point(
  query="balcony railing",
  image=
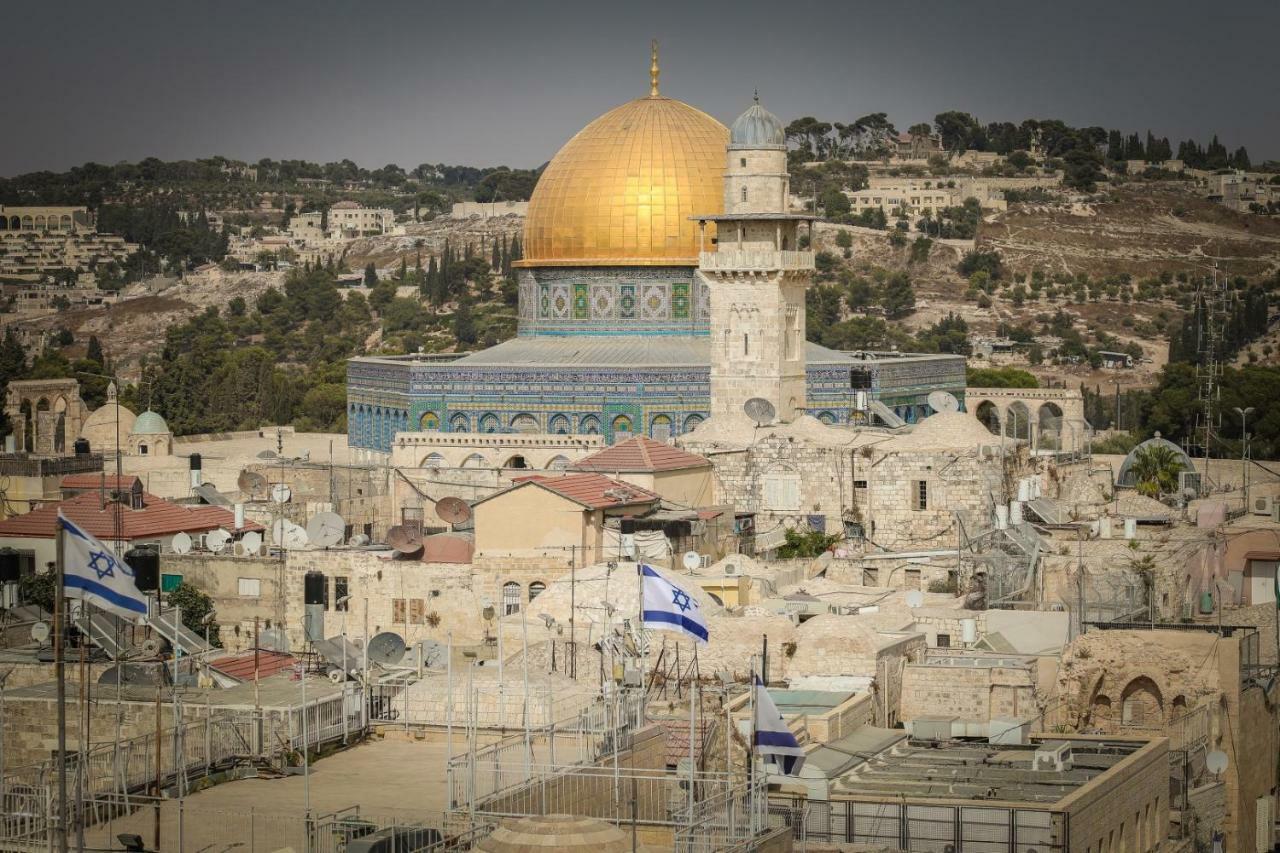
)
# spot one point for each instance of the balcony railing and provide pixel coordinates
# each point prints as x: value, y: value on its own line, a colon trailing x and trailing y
x: 730, y: 259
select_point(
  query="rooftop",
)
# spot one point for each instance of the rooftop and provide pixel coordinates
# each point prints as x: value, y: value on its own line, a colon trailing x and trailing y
x: 640, y: 454
x: 592, y: 491
x: 157, y: 517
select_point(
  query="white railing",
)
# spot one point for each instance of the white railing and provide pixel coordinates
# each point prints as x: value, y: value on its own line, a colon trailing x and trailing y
x: 732, y: 259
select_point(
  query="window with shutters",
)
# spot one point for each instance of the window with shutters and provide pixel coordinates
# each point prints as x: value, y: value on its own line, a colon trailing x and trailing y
x: 398, y: 610
x: 920, y: 495
x: 250, y: 587
x: 416, y: 611
x: 780, y: 490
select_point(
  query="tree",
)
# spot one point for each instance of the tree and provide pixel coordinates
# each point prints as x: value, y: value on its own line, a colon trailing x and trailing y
x: 1155, y: 470
x: 370, y: 275
x: 464, y: 326
x: 899, y: 297
x: 835, y: 204
x: 195, y: 605
x: 808, y: 543
x: 93, y: 352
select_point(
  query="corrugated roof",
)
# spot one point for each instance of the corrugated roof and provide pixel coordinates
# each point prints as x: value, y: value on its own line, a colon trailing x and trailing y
x: 640, y: 454
x: 241, y: 666
x: 158, y: 517
x: 593, y: 491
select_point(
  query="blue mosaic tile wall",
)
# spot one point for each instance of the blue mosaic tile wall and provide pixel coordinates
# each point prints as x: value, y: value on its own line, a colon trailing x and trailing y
x: 612, y: 301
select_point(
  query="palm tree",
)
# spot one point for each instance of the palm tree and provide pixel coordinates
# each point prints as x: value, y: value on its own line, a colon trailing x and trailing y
x: 1155, y: 469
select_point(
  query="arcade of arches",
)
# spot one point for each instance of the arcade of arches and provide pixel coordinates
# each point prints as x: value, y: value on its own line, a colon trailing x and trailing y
x: 1048, y: 418
x: 46, y: 415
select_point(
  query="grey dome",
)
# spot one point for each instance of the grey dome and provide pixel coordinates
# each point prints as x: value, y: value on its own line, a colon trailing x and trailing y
x: 757, y: 128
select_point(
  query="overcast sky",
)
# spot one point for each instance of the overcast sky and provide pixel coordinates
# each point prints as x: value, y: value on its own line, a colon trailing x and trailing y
x: 483, y: 83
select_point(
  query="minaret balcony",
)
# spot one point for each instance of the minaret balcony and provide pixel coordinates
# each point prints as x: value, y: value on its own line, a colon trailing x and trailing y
x: 727, y: 260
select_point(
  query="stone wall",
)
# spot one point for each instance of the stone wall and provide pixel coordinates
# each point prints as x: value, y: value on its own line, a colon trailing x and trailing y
x: 1127, y: 808
x: 976, y: 693
x: 230, y: 582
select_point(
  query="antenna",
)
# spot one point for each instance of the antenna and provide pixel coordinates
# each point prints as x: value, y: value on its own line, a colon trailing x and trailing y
x: 280, y: 493
x: 181, y: 543
x: 453, y: 510
x: 217, y: 540
x: 760, y: 410
x: 326, y: 529
x: 405, y: 539
x: 943, y: 401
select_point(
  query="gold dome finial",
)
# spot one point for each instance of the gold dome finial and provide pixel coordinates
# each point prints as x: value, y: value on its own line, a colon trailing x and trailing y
x: 653, y: 69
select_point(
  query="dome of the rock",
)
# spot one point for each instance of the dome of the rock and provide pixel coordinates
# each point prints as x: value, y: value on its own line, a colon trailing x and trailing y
x: 620, y: 192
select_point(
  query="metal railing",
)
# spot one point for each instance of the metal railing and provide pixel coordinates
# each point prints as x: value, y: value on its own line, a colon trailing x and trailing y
x: 730, y: 817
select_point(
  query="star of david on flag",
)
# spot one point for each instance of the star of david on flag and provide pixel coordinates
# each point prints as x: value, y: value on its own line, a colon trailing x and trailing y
x: 667, y: 607
x: 92, y: 572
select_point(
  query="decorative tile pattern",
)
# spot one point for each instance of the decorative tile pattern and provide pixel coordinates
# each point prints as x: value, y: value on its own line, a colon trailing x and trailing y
x: 627, y: 302
x: 581, y: 301
x: 680, y: 300
x: 559, y: 301
x: 655, y: 302
x: 603, y: 301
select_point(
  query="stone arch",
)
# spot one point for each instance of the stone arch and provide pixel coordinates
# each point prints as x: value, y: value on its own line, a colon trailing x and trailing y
x: 28, y: 224
x: 660, y: 428
x: 4, y: 223
x: 558, y: 463
x: 525, y: 423
x: 27, y: 411
x: 40, y: 222
x: 989, y: 415
x: 489, y: 423
x: 475, y: 460
x: 536, y: 588
x: 1179, y: 705
x: 1141, y: 703
x: 622, y: 423
x: 1100, y: 711
x: 15, y: 224
x: 1018, y: 421
x: 589, y: 425
x: 1049, y: 426
x: 516, y: 461
x: 429, y: 422
x: 458, y: 422
x: 691, y: 422
x: 558, y: 425
x: 65, y: 222
x: 432, y: 460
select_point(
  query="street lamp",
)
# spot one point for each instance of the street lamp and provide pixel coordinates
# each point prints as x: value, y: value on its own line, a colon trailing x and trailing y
x: 1244, y: 452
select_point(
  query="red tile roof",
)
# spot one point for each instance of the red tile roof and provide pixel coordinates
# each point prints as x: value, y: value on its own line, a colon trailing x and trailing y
x: 79, y: 482
x: 593, y: 491
x: 158, y: 517
x: 241, y: 666
x: 640, y: 454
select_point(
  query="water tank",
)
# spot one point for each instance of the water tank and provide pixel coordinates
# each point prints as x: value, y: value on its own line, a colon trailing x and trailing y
x: 1104, y: 527
x: 1131, y: 528
x: 969, y: 631
x: 1024, y: 490
x: 1002, y: 517
x: 239, y: 516
x: 313, y: 584
x: 81, y: 447
x: 313, y: 622
x: 197, y: 476
x: 10, y: 566
x: 145, y: 563
x: 1015, y: 512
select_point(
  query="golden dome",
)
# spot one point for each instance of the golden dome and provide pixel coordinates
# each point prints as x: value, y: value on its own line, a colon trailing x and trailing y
x: 620, y: 192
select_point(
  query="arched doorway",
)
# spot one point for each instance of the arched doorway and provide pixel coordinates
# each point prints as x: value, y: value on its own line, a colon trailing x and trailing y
x: 1101, y: 711
x: 989, y: 416
x: 1049, y: 426
x: 516, y: 461
x: 1141, y: 704
x: 1018, y: 421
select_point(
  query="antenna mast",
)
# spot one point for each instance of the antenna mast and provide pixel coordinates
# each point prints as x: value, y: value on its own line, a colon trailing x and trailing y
x: 1211, y: 306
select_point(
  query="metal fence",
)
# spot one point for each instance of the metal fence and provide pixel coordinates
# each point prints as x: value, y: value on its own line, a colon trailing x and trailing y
x: 404, y: 703
x: 724, y: 816
x: 931, y: 828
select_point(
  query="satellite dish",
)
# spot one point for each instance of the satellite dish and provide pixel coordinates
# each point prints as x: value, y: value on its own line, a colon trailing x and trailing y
x: 251, y: 483
x: 760, y: 410
x: 692, y: 560
x: 360, y: 540
x: 387, y: 649
x: 252, y: 542
x: 453, y: 510
x: 406, y: 540
x: 181, y: 543
x: 326, y: 529
x: 40, y: 633
x: 915, y: 598
x: 943, y: 401
x: 280, y: 493
x: 295, y: 537
x: 216, y: 540
x: 266, y: 454
x: 1216, y: 761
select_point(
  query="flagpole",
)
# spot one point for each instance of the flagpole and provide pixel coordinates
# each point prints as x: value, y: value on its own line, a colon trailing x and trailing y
x: 60, y: 674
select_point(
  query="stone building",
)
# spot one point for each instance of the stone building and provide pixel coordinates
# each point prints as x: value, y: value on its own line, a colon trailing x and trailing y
x: 108, y: 425
x: 149, y: 436
x: 46, y: 414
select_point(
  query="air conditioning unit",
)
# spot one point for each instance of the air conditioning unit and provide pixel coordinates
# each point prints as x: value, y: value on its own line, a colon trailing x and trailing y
x: 1262, y: 505
x: 706, y: 563
x: 1053, y: 755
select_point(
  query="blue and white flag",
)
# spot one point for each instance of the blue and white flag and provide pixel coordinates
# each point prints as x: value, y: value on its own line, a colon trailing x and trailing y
x: 92, y: 572
x: 667, y: 607
x: 773, y: 737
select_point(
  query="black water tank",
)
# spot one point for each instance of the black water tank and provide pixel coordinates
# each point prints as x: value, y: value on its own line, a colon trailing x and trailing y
x: 313, y: 588
x: 10, y: 566
x: 81, y: 447
x: 195, y: 462
x: 145, y: 563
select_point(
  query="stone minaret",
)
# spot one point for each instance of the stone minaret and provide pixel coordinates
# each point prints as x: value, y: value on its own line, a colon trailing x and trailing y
x: 756, y: 276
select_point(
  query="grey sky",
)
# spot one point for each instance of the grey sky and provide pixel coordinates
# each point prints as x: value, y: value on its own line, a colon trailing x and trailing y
x: 482, y: 83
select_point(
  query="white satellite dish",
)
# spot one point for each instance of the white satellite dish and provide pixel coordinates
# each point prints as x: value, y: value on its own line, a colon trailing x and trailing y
x: 1216, y: 761
x: 915, y: 598
x: 40, y: 633
x: 181, y: 543
x: 943, y: 401
x: 252, y: 542
x: 692, y: 560
x: 760, y: 410
x: 280, y: 493
x: 216, y: 540
x: 278, y: 528
x: 326, y: 529
x: 295, y: 537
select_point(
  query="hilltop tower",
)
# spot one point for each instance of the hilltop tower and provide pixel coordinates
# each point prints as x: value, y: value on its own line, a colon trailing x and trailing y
x: 756, y: 276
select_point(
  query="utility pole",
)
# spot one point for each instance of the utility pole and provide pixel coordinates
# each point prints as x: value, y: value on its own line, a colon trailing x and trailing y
x: 1244, y: 452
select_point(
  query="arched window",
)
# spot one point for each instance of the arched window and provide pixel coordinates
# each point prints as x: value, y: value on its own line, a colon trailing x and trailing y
x: 691, y: 422
x: 621, y: 428
x: 459, y: 423
x: 558, y: 463
x: 558, y: 425
x: 430, y: 422
x: 475, y: 460
x: 590, y: 425
x: 510, y: 598
x: 489, y: 423
x: 524, y: 423
x: 1141, y: 704
x: 516, y: 461
x: 433, y: 460
x: 827, y: 418
x: 660, y: 428
x: 744, y: 193
x: 535, y: 589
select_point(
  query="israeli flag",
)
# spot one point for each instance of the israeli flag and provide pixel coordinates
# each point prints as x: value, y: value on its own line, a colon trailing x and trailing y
x: 772, y: 736
x: 92, y: 572
x: 667, y: 607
